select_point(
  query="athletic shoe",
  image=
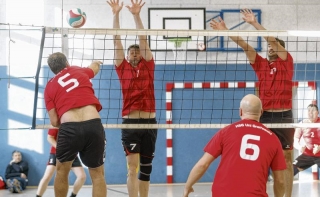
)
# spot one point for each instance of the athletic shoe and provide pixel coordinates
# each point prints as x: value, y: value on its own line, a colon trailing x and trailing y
x: 16, y: 186
x: 10, y: 185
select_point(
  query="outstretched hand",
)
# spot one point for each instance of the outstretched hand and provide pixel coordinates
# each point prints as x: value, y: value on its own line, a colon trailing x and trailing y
x: 116, y: 7
x: 218, y: 25
x: 136, y: 6
x: 97, y: 62
x: 248, y: 16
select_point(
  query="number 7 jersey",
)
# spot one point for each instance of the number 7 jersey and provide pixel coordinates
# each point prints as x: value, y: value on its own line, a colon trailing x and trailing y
x: 70, y: 88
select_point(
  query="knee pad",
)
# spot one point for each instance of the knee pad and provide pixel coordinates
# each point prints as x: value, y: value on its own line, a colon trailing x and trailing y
x: 145, y: 168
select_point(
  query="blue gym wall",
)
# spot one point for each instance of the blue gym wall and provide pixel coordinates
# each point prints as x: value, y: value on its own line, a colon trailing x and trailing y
x: 187, y: 143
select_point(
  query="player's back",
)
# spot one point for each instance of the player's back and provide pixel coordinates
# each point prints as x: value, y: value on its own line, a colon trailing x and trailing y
x: 72, y: 88
x: 248, y: 149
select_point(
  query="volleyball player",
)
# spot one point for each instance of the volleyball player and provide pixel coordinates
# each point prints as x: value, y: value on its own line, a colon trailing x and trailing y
x: 136, y: 75
x: 51, y: 168
x: 275, y: 86
x: 311, y: 147
x: 73, y: 107
x: 247, y: 149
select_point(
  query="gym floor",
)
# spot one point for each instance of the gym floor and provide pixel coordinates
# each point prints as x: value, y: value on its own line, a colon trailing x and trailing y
x: 300, y: 189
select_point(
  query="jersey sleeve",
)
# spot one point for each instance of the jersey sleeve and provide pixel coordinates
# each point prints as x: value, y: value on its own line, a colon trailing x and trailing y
x: 288, y: 63
x: 48, y: 101
x: 121, y: 65
x: 289, y: 59
x: 149, y: 63
x: 278, y: 162
x: 214, y: 146
x: 257, y: 63
x: 298, y: 133
x: 53, y: 132
x: 89, y: 72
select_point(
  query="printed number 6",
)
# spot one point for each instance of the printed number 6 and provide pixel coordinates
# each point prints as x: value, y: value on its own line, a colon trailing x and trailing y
x: 65, y: 83
x: 245, y: 145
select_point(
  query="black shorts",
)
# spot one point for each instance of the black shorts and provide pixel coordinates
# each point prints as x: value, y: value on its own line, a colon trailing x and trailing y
x: 306, y: 161
x: 52, y: 161
x: 285, y: 135
x: 86, y: 138
x: 141, y: 141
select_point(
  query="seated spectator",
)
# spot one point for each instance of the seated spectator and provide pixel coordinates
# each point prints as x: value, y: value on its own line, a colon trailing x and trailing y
x: 17, y: 173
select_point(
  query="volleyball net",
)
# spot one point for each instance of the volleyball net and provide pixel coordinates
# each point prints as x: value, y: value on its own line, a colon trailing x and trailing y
x: 200, y: 75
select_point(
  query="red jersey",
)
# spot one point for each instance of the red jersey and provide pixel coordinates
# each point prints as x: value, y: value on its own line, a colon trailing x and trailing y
x: 70, y: 88
x: 248, y: 149
x: 53, y: 133
x: 275, y: 82
x: 137, y: 86
x: 311, y: 136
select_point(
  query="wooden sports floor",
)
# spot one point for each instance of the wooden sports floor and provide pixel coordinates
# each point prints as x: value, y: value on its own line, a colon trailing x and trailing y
x: 300, y: 189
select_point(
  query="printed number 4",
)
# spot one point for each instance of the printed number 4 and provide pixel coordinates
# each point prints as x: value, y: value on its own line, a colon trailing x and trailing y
x: 245, y: 145
x: 65, y: 83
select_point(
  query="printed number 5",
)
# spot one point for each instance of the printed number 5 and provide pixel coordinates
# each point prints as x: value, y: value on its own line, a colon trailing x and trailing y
x: 245, y: 145
x: 65, y: 83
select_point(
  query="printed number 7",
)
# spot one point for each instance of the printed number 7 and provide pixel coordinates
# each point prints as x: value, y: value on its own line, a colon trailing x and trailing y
x: 133, y: 146
x: 245, y: 145
x: 65, y: 83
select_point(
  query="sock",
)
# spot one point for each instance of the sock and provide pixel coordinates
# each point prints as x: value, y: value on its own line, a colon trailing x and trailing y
x: 73, y: 195
x: 38, y: 196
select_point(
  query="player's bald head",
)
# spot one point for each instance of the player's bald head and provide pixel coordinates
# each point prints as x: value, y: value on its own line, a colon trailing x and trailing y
x: 250, y: 105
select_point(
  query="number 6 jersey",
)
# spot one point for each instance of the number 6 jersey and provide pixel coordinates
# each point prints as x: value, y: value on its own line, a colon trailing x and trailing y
x: 70, y: 88
x: 248, y: 149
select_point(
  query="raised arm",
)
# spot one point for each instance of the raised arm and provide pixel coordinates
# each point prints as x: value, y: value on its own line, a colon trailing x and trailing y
x: 248, y: 49
x: 95, y: 66
x: 250, y: 18
x: 144, y: 46
x: 118, y: 48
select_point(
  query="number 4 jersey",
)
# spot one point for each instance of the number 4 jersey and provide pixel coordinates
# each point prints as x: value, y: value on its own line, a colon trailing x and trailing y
x: 248, y: 149
x: 70, y: 88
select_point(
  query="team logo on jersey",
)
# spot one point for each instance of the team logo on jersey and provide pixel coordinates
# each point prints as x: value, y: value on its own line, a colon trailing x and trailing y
x: 273, y: 70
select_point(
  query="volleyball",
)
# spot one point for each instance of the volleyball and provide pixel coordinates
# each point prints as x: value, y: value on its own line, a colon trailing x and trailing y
x: 201, y: 46
x: 76, y: 18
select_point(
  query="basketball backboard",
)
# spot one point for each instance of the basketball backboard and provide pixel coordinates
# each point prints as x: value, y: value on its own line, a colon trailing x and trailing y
x: 176, y: 18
